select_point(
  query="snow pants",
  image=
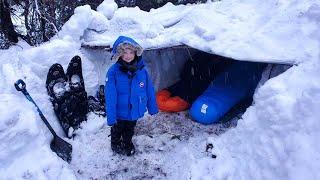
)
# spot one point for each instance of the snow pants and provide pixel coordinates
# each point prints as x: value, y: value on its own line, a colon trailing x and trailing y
x: 122, y: 133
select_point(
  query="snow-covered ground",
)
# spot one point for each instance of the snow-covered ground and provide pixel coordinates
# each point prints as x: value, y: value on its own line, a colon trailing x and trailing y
x: 166, y: 145
x: 277, y: 137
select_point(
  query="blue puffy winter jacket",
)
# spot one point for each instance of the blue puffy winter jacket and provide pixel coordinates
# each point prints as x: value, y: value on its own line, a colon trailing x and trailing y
x: 128, y: 96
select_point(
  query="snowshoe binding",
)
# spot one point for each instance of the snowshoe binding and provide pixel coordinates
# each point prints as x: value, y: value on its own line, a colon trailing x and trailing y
x: 74, y: 74
x: 56, y: 82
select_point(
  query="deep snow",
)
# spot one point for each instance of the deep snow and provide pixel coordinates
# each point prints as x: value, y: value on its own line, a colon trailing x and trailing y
x: 277, y: 137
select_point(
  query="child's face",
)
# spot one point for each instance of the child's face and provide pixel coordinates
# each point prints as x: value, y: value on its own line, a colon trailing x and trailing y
x: 128, y: 55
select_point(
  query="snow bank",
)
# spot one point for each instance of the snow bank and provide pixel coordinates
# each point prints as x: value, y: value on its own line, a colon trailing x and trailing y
x: 77, y: 23
x: 277, y: 138
x: 268, y: 31
x: 25, y: 140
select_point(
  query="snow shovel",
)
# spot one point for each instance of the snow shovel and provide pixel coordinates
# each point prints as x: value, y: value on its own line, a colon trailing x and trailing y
x: 62, y: 148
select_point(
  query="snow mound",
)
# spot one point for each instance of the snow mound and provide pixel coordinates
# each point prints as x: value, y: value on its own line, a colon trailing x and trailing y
x: 270, y: 31
x: 277, y: 137
x: 25, y: 140
x: 107, y: 8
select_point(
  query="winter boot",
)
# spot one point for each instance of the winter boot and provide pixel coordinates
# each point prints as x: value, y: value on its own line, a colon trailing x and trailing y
x: 129, y: 149
x: 116, y: 141
x: 116, y: 148
x: 127, y: 134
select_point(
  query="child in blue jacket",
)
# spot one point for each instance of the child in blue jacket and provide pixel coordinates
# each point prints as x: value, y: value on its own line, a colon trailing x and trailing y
x: 129, y: 93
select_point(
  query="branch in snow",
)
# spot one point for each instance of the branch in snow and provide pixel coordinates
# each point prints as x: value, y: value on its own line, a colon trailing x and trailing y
x: 43, y: 17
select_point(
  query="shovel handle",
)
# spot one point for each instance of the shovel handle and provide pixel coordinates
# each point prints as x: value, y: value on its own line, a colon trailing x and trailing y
x: 58, y: 145
x: 20, y: 85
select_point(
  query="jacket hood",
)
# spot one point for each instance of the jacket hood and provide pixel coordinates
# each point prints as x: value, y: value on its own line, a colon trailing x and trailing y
x: 121, y: 43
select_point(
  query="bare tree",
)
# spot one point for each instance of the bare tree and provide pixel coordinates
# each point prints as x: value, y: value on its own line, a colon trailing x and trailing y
x: 146, y: 5
x: 42, y: 19
x: 6, y: 25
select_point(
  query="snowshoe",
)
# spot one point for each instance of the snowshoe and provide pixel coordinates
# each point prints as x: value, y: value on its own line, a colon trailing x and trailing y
x: 71, y: 112
x: 74, y: 74
x: 56, y: 82
x: 69, y: 99
x: 78, y: 99
x: 58, y: 90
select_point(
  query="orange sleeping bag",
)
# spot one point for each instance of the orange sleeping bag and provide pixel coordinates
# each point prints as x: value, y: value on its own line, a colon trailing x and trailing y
x: 170, y: 104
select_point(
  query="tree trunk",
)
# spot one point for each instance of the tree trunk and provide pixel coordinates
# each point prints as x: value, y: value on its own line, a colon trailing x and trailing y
x: 26, y: 21
x: 6, y: 22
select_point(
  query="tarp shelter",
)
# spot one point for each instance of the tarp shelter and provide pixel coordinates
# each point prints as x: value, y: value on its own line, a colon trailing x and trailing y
x: 233, y: 88
x: 171, y: 34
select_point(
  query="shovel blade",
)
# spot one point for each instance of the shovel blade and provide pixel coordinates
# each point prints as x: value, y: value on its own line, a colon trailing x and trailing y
x: 62, y: 148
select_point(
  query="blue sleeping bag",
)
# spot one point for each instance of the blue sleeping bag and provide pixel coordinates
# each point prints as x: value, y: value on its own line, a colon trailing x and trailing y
x: 236, y: 83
